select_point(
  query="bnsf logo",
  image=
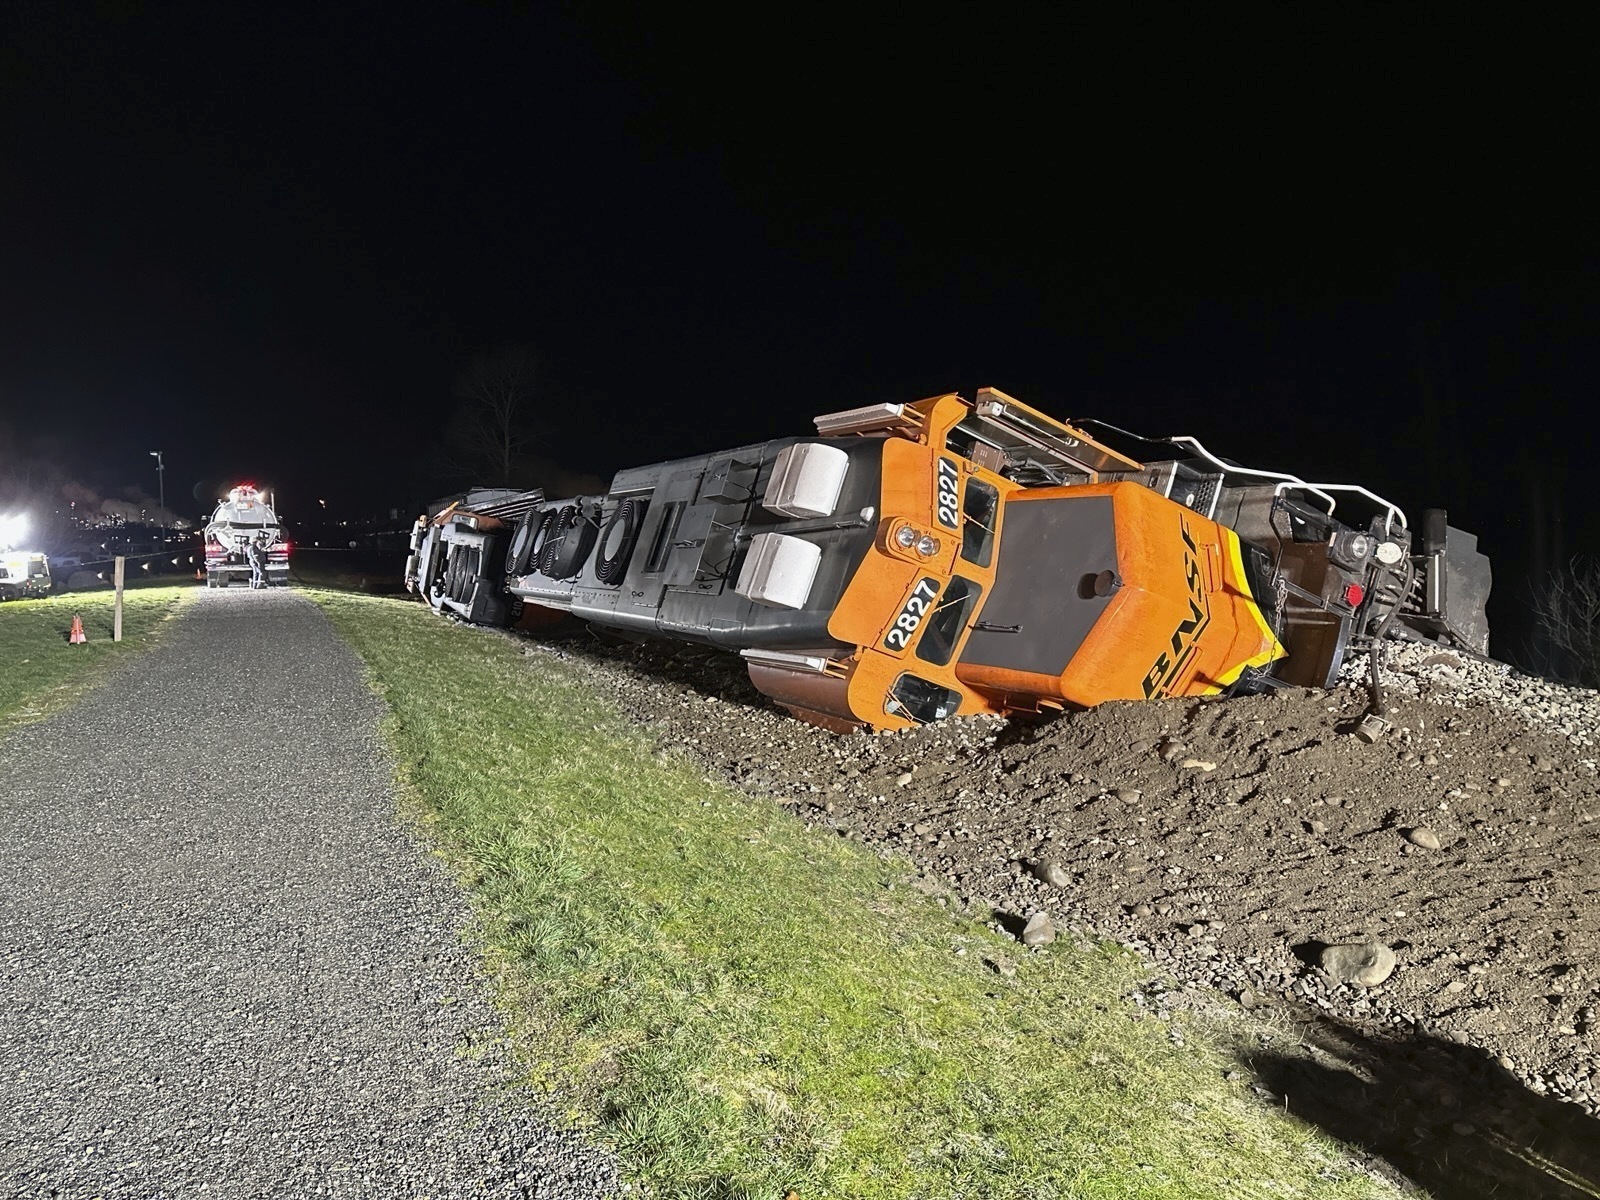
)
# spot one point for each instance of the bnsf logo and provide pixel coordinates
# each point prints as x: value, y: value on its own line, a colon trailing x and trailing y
x: 1186, y: 637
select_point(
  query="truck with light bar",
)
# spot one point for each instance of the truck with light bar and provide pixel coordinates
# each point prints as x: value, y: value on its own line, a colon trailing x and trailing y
x: 243, y: 519
x: 916, y: 561
x: 23, y: 574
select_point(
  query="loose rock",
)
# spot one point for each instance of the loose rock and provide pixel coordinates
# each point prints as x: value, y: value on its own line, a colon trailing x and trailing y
x: 1052, y: 872
x: 1039, y: 931
x: 1424, y: 837
x: 1364, y: 963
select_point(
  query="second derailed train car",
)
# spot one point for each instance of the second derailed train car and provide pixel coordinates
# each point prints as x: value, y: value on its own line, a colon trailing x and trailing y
x: 915, y: 561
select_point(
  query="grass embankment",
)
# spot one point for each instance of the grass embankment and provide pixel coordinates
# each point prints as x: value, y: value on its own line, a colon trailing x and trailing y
x: 41, y: 672
x: 747, y: 1006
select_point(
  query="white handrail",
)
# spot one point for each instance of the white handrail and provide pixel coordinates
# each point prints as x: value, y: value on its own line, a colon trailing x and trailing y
x: 1391, y: 509
x: 1295, y: 480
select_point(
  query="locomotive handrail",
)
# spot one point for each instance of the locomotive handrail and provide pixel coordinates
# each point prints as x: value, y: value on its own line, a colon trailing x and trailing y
x: 1391, y: 509
x: 1292, y: 480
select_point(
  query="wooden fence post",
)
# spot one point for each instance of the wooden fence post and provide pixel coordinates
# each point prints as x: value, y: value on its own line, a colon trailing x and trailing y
x: 116, y: 623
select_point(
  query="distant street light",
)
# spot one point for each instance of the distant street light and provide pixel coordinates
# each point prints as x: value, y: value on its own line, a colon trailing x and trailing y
x: 161, y: 484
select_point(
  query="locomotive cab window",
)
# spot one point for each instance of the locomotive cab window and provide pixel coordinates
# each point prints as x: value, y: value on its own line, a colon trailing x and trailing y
x: 949, y: 618
x: 921, y: 700
x: 980, y: 506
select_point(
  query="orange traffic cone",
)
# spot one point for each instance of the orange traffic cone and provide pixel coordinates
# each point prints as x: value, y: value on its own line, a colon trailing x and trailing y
x: 76, y: 636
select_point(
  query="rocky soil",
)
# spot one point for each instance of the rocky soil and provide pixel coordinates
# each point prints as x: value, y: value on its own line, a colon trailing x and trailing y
x: 1232, y: 842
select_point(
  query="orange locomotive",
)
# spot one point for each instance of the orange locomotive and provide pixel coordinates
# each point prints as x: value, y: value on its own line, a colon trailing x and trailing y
x: 916, y: 561
x: 1033, y: 596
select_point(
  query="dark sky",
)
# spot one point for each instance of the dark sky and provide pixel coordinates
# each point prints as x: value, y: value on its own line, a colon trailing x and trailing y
x: 266, y: 240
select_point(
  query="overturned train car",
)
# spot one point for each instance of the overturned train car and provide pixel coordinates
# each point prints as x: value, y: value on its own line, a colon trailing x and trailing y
x: 914, y: 561
x: 458, y: 552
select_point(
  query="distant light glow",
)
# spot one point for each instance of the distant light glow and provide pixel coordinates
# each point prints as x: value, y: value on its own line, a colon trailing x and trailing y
x: 12, y: 529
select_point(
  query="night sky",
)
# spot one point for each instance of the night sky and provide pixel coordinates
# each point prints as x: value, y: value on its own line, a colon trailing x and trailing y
x: 267, y: 241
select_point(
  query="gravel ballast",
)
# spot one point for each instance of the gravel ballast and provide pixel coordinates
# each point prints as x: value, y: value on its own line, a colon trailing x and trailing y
x: 229, y: 967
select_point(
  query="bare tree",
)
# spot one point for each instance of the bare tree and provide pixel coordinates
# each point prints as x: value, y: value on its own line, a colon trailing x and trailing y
x: 1567, y: 609
x: 491, y: 429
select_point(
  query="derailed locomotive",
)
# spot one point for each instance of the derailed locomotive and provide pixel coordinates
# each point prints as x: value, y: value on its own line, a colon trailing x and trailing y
x: 914, y: 561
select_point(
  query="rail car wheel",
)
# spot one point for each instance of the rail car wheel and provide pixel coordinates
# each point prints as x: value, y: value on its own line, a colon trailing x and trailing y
x: 460, y: 572
x: 468, y: 579
x: 617, y: 542
x: 451, y: 570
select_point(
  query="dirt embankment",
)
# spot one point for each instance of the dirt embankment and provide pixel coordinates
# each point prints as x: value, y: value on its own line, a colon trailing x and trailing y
x: 1228, y: 840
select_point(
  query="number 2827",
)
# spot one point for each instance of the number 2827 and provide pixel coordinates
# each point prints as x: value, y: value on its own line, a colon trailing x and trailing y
x: 912, y: 613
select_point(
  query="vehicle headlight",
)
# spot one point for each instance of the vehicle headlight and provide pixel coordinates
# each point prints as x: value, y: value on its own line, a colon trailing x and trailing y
x: 927, y: 545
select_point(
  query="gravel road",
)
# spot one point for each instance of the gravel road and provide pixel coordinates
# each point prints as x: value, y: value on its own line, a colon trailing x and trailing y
x: 227, y: 967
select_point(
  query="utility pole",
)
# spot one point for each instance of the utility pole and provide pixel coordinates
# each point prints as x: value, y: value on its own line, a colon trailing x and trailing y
x: 161, y: 483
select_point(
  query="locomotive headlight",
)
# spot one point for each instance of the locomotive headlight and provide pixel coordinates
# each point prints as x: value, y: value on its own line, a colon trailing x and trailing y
x: 906, y: 537
x: 927, y: 545
x: 1350, y: 550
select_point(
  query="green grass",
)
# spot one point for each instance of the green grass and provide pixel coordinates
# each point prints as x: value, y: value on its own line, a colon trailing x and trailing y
x: 745, y: 1006
x: 41, y: 672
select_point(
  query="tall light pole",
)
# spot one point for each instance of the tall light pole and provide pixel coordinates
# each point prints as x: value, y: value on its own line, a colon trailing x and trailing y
x: 161, y: 483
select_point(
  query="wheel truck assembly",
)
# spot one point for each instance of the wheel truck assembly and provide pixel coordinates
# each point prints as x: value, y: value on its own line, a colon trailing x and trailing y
x: 457, y: 550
